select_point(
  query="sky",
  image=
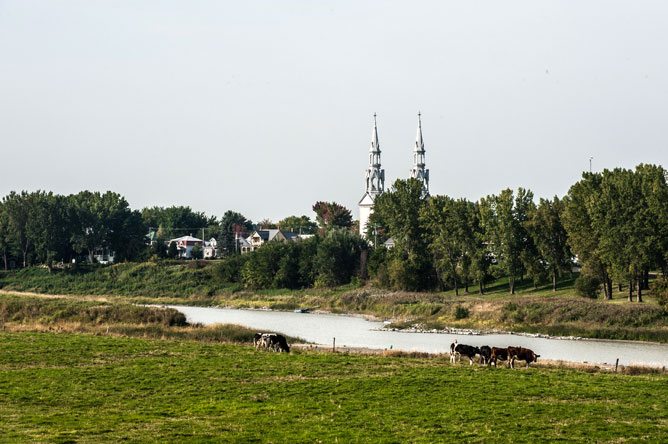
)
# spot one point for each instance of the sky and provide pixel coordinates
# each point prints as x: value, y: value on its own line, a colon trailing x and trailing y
x: 265, y: 107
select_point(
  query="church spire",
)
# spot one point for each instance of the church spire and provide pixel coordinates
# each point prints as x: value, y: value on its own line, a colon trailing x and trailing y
x: 375, y: 146
x: 375, y: 180
x: 375, y: 175
x: 419, y: 171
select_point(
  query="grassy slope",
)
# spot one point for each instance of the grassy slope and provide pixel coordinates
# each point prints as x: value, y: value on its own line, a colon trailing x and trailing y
x: 534, y: 310
x: 118, y: 318
x: 91, y: 389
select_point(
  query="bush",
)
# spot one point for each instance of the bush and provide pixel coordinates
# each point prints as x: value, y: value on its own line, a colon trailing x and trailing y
x: 588, y: 286
x: 461, y: 312
x: 659, y: 290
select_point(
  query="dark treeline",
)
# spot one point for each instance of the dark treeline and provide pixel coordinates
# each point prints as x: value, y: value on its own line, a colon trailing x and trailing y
x: 613, y: 224
x: 42, y: 227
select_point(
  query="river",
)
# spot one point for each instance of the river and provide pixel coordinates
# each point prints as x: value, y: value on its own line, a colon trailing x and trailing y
x: 358, y: 332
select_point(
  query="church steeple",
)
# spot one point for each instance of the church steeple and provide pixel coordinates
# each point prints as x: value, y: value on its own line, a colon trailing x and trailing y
x: 375, y: 175
x: 419, y: 171
x: 375, y: 180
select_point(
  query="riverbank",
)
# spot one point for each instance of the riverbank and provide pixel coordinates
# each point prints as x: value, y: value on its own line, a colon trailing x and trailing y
x: 531, y: 311
x: 113, y: 389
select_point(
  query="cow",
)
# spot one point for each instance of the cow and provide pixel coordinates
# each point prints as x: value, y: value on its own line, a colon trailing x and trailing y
x: 257, y: 337
x: 498, y: 353
x: 522, y: 354
x: 462, y: 349
x: 485, y: 354
x: 277, y: 343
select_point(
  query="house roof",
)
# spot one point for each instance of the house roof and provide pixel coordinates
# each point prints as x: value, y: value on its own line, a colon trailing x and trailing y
x: 270, y: 234
x: 186, y: 238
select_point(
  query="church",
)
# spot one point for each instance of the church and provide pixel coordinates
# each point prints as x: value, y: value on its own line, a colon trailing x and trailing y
x: 375, y: 174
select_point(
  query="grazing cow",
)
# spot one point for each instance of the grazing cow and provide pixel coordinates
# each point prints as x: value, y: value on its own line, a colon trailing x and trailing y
x: 485, y: 354
x: 500, y: 354
x: 277, y: 343
x: 461, y: 349
x: 522, y: 354
x: 257, y: 337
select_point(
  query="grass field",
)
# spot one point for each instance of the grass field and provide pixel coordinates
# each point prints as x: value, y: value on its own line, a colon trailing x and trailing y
x: 63, y: 388
x: 537, y: 310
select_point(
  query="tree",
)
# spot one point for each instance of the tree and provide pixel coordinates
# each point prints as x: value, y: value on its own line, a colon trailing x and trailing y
x: 176, y: 220
x: 233, y: 225
x: 99, y: 221
x: 546, y: 228
x: 49, y: 227
x: 19, y: 208
x: 338, y: 257
x: 266, y: 224
x: 331, y: 215
x: 5, y: 244
x: 479, y: 251
x: 448, y: 227
x: 197, y: 252
x: 172, y: 250
x: 583, y: 237
x: 409, y: 266
x: 298, y: 224
x: 503, y: 218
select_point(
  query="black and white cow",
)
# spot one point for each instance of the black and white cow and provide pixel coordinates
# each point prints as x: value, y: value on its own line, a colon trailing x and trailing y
x: 277, y: 343
x: 463, y: 350
x: 271, y: 341
x: 485, y: 354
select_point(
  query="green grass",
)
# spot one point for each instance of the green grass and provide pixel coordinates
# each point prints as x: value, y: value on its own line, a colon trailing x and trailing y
x: 91, y: 389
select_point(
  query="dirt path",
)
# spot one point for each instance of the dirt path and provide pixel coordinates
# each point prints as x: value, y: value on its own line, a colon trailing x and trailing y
x: 57, y: 296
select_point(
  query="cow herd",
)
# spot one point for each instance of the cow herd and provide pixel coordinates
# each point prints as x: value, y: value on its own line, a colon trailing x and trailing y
x: 271, y: 341
x: 490, y: 355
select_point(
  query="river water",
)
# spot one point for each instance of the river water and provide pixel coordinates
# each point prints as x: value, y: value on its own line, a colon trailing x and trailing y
x: 357, y: 332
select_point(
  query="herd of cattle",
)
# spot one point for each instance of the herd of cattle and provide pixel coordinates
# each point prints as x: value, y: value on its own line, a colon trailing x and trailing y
x: 490, y: 355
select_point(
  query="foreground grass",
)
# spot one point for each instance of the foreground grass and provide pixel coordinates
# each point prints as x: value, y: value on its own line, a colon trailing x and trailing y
x: 90, y: 389
x: 537, y: 310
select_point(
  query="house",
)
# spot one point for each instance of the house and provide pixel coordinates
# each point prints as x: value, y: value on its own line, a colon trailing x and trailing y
x: 261, y: 237
x: 210, y: 249
x: 389, y: 243
x: 185, y: 245
x: 104, y: 256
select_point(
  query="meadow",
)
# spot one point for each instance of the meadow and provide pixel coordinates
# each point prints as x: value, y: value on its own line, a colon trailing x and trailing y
x: 535, y: 310
x: 64, y: 388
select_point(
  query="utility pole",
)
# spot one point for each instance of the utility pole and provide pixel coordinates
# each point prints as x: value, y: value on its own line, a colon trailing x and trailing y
x: 590, y: 158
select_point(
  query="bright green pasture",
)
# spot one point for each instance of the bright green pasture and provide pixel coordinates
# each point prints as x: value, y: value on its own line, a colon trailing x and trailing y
x: 90, y: 389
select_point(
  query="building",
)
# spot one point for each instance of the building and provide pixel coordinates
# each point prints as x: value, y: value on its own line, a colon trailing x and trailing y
x: 261, y: 237
x: 375, y: 180
x: 185, y: 245
x: 210, y: 249
x: 375, y: 175
x: 419, y: 171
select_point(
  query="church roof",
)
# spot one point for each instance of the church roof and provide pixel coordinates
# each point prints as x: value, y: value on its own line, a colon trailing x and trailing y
x: 419, y: 143
x: 375, y: 146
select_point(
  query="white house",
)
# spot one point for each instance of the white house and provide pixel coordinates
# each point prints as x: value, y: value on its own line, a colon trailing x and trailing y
x: 185, y: 245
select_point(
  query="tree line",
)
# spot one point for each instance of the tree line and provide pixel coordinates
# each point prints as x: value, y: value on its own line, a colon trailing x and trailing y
x: 614, y: 224
x: 45, y: 228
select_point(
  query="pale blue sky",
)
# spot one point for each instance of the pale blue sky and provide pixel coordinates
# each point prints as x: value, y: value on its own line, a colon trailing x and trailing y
x: 265, y: 107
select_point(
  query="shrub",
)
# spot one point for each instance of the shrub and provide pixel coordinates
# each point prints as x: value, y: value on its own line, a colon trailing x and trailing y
x: 659, y: 290
x: 587, y: 286
x: 461, y: 312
